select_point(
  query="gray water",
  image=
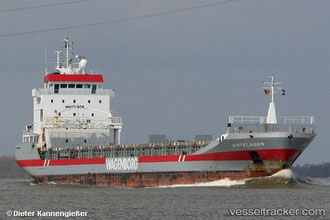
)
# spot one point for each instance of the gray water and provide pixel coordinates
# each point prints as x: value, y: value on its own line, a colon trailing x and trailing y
x: 200, y: 201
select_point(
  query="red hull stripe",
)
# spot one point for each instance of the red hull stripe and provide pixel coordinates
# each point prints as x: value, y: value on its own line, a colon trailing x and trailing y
x: 275, y: 154
x: 73, y: 78
x: 83, y: 161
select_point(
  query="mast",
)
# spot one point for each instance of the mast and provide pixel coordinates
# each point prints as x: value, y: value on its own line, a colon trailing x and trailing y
x: 271, y: 117
x: 67, y: 49
x: 272, y: 85
x: 67, y: 66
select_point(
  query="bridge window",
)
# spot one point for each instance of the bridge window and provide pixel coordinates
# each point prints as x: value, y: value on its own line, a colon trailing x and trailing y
x: 72, y: 86
x: 41, y: 114
x: 64, y: 86
x: 79, y: 86
x: 87, y: 86
x: 93, y: 89
x: 56, y: 88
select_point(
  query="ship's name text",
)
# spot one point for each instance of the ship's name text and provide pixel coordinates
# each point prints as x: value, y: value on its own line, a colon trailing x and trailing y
x: 255, y: 144
x: 124, y: 163
x: 74, y: 106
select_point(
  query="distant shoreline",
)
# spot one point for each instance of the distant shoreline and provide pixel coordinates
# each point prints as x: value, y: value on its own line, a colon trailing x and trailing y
x: 10, y: 170
x: 321, y: 170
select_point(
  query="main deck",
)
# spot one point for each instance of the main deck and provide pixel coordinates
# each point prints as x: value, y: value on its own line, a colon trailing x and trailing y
x: 130, y: 150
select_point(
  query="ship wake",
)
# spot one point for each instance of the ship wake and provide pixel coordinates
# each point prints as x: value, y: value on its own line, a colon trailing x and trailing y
x: 282, y: 179
x: 218, y: 183
x: 285, y: 178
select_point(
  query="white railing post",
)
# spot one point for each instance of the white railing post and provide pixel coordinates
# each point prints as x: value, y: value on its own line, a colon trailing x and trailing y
x: 281, y: 120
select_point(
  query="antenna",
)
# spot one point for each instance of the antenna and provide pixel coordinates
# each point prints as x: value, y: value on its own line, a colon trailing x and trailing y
x: 58, y: 53
x: 66, y: 47
x: 46, y: 56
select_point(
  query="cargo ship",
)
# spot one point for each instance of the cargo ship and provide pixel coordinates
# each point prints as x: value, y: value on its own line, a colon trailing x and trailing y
x: 75, y: 138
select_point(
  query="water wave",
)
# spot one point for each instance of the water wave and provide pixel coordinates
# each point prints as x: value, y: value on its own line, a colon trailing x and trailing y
x: 285, y: 178
x: 51, y: 183
x: 314, y: 181
x: 217, y: 183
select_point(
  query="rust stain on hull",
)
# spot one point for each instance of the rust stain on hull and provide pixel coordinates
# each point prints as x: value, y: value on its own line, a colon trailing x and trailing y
x: 150, y: 179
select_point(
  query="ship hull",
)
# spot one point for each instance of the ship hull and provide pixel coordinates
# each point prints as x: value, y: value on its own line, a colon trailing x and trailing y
x: 150, y: 179
x: 234, y: 158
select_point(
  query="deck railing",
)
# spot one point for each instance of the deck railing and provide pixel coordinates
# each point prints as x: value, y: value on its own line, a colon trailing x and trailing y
x: 248, y: 124
x: 132, y: 150
x: 82, y: 122
x: 295, y: 120
x: 74, y: 92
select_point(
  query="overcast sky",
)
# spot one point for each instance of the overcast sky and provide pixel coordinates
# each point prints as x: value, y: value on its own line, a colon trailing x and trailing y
x: 181, y: 74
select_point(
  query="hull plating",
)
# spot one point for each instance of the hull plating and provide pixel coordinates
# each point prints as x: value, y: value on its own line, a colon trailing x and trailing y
x: 213, y: 162
x: 151, y: 179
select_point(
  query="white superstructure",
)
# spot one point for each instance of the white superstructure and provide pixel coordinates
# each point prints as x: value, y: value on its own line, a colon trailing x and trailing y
x: 73, y: 108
